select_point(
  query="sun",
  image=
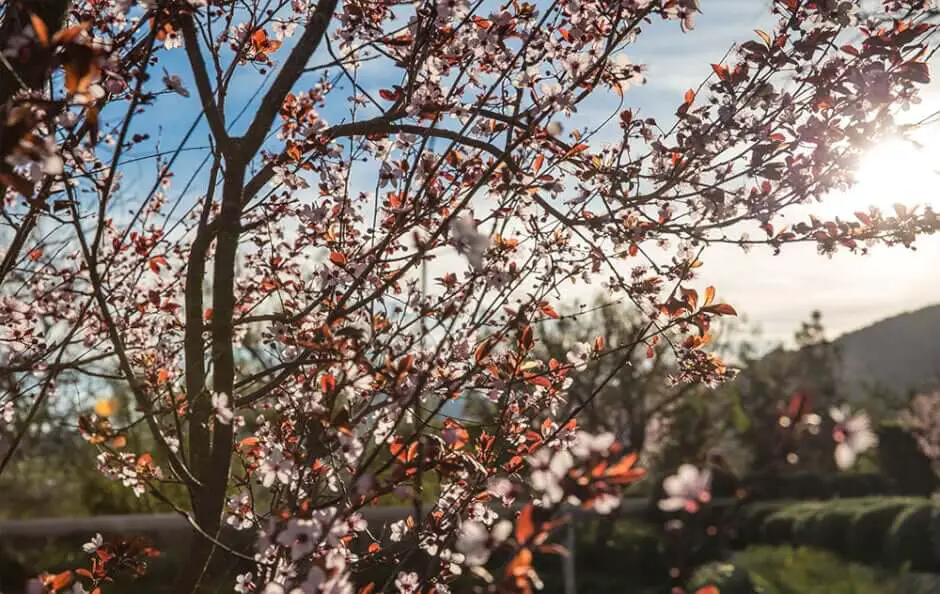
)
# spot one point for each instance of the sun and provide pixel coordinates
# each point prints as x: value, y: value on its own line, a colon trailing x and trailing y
x: 896, y: 171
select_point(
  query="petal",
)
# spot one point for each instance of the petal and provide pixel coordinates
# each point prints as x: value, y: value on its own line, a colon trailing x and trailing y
x: 672, y: 504
x: 838, y: 414
x: 672, y: 485
x: 845, y: 456
x: 688, y: 474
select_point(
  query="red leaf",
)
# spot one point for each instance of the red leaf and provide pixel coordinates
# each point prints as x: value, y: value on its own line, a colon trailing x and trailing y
x: 390, y: 95
x: 720, y: 70
x: 690, y: 296
x: 337, y: 258
x: 57, y: 582
x: 482, y: 22
x: 525, y: 529
x: 578, y: 148
x: 721, y: 309
x: 39, y: 27
x: 537, y: 164
x: 327, y: 382
x: 546, y: 308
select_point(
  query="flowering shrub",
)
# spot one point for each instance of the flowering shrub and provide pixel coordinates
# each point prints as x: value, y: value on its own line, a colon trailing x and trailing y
x: 296, y: 321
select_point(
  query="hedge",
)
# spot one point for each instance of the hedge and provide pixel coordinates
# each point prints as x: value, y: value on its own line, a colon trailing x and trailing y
x: 869, y: 530
x: 808, y: 485
x: 908, y: 543
x: 728, y: 578
x: 899, y: 532
x: 778, y: 527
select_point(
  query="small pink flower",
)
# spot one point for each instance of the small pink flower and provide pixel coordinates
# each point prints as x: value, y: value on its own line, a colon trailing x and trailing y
x: 686, y: 489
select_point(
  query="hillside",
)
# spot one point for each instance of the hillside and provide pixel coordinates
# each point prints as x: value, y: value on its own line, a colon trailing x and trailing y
x: 901, y: 352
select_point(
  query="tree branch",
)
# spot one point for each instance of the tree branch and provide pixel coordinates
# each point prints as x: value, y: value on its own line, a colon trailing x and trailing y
x: 291, y: 71
x: 213, y: 114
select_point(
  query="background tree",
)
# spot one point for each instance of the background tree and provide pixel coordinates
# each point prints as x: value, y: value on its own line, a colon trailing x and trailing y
x: 634, y: 400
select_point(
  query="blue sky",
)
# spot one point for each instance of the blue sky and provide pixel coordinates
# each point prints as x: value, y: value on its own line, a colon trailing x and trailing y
x: 776, y: 292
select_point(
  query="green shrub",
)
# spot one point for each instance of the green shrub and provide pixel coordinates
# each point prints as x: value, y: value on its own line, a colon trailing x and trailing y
x: 908, y: 542
x: 806, y: 485
x: 860, y: 484
x: 902, y: 461
x: 829, y: 526
x: 725, y: 576
x: 935, y: 531
x: 868, y: 530
x: 778, y: 527
x: 751, y: 519
x: 785, y: 570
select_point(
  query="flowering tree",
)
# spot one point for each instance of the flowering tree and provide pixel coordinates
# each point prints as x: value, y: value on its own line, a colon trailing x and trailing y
x: 297, y: 318
x: 636, y: 402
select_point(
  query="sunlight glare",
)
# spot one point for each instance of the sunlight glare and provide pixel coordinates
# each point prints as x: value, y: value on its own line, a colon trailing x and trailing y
x: 895, y: 171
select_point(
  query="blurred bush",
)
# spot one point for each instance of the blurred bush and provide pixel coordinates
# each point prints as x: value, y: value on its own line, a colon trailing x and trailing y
x: 869, y: 529
x: 908, y: 543
x: 897, y: 532
x: 902, y: 461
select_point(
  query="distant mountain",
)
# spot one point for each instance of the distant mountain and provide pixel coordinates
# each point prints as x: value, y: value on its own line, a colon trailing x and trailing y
x: 901, y: 353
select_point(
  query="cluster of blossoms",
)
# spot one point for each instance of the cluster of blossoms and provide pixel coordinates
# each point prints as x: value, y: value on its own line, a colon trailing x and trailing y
x: 852, y: 433
x: 923, y: 421
x: 130, y: 470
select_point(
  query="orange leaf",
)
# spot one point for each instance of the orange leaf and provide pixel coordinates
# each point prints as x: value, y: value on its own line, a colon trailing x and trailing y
x: 625, y: 464
x: 156, y: 262
x: 42, y: 33
x: 520, y: 565
x: 60, y: 581
x: 481, y: 22
x: 368, y: 588
x: 537, y: 164
x: 690, y: 296
x: 721, y: 309
x: 248, y: 442
x: 327, y: 382
x: 374, y: 548
x: 525, y: 529
x: 763, y: 36
x: 106, y: 407
x: 548, y: 310
x: 689, y: 97
x: 709, y: 295
x: 144, y: 460
x: 720, y: 70
x: 708, y: 590
x: 337, y: 258
x: 578, y: 148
